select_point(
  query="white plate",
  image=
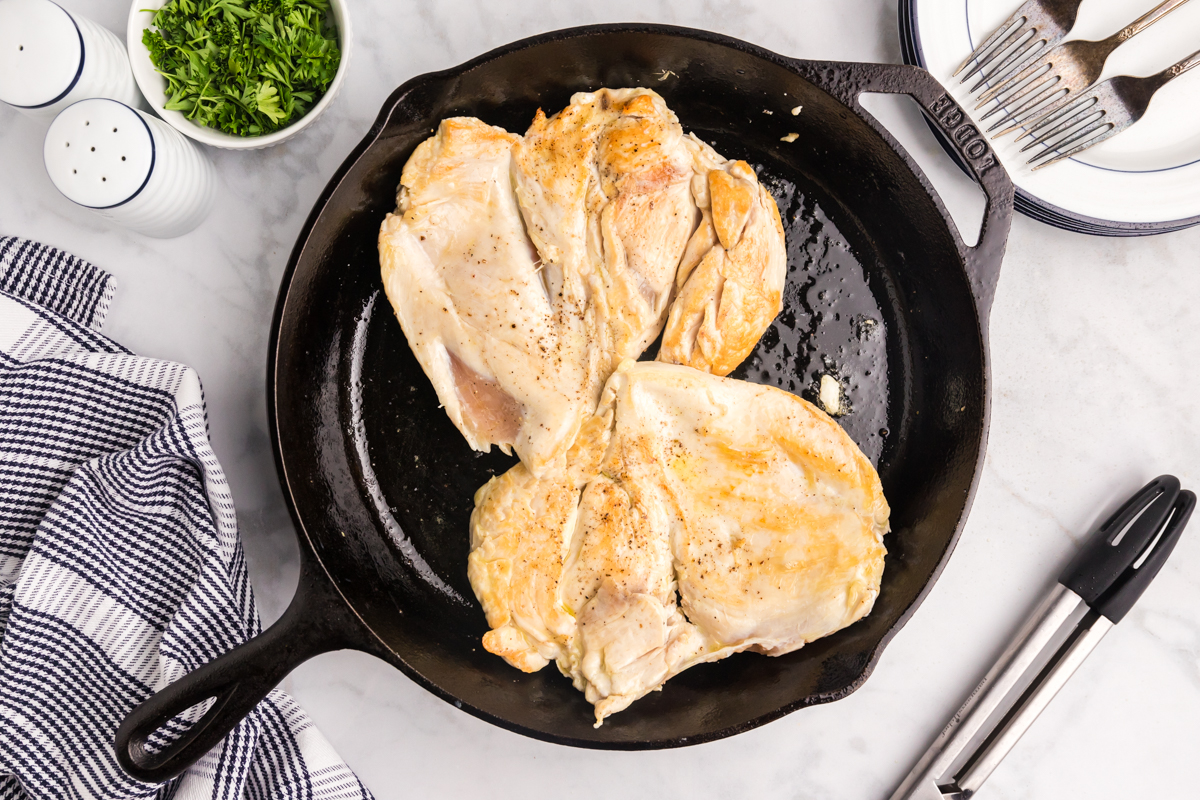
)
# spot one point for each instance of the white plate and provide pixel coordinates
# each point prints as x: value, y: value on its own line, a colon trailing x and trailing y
x: 1148, y: 174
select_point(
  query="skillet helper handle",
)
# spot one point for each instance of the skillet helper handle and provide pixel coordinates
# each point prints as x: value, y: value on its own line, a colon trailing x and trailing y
x: 846, y: 81
x: 316, y: 622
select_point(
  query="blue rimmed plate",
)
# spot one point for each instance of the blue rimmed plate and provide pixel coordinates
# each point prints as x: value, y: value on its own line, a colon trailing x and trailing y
x: 1147, y: 180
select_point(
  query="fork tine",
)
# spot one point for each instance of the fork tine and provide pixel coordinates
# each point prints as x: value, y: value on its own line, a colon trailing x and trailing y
x: 1018, y: 100
x: 1053, y: 103
x: 1013, y: 105
x: 1031, y: 109
x: 1018, y: 19
x: 1089, y: 126
x: 1017, y: 59
x: 1016, y: 87
x: 1028, y: 69
x: 983, y: 56
x: 1060, y: 110
x: 993, y: 112
x: 1079, y: 121
x: 1080, y: 115
x: 1112, y: 131
x: 1014, y: 49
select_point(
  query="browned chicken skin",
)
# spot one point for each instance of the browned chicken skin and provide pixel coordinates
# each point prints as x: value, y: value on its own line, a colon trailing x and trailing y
x: 731, y: 277
x: 698, y: 517
x: 524, y: 269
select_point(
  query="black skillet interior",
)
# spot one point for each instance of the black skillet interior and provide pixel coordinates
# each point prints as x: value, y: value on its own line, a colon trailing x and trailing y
x: 879, y: 293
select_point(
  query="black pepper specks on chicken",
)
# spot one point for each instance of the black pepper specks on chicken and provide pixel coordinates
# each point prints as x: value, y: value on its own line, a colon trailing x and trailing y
x: 640, y: 552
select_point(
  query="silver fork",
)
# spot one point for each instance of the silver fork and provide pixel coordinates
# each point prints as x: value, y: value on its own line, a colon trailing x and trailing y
x: 1036, y: 26
x: 1066, y: 69
x: 1102, y: 111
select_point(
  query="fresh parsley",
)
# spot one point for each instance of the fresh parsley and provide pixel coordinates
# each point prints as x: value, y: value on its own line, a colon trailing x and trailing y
x: 245, y: 67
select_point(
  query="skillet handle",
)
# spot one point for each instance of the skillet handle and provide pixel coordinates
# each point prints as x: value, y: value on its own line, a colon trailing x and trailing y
x: 846, y: 81
x: 317, y: 621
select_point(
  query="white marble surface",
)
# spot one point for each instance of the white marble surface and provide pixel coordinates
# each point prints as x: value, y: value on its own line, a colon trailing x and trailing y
x: 1095, y: 343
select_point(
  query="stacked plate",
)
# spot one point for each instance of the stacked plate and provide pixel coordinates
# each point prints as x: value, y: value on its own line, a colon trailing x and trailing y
x: 1144, y: 181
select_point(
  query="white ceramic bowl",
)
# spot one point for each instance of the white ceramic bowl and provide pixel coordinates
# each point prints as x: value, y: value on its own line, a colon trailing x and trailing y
x: 154, y: 86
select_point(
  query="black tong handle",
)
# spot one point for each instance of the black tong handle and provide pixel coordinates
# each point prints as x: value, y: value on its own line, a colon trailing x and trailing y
x: 1109, y: 576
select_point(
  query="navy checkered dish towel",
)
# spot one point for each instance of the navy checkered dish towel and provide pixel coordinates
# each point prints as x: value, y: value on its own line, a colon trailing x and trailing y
x: 120, y: 564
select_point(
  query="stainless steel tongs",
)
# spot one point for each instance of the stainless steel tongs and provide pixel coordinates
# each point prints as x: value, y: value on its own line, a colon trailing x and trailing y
x: 1093, y: 594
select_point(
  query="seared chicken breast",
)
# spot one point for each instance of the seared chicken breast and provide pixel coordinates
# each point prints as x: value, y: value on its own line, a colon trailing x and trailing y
x: 524, y: 269
x: 605, y: 187
x: 731, y: 277
x: 518, y: 533
x: 508, y: 351
x: 695, y: 517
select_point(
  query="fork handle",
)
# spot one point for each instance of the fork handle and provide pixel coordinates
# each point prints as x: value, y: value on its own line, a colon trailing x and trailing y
x: 1175, y: 70
x: 1152, y: 83
x: 1146, y: 20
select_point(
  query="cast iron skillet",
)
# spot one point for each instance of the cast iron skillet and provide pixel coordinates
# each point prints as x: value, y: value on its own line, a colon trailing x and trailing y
x: 881, y: 291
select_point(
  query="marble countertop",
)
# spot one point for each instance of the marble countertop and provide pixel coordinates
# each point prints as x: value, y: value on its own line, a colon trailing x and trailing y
x: 1094, y: 346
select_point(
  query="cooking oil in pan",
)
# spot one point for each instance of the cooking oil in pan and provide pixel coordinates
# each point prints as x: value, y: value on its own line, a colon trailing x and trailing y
x: 829, y: 344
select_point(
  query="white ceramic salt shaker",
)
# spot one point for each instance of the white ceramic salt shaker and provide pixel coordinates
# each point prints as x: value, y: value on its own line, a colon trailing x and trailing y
x: 50, y: 59
x: 129, y: 167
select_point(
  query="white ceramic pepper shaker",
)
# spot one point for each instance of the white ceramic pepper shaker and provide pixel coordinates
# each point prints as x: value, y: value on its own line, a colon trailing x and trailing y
x: 50, y: 59
x: 129, y: 167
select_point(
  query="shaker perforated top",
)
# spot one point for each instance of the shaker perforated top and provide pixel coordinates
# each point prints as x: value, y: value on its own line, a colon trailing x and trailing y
x: 41, y: 52
x: 99, y: 152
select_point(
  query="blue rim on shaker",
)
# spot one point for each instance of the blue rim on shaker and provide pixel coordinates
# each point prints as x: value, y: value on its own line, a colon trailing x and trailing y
x: 41, y: 31
x: 50, y: 58
x: 129, y: 167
